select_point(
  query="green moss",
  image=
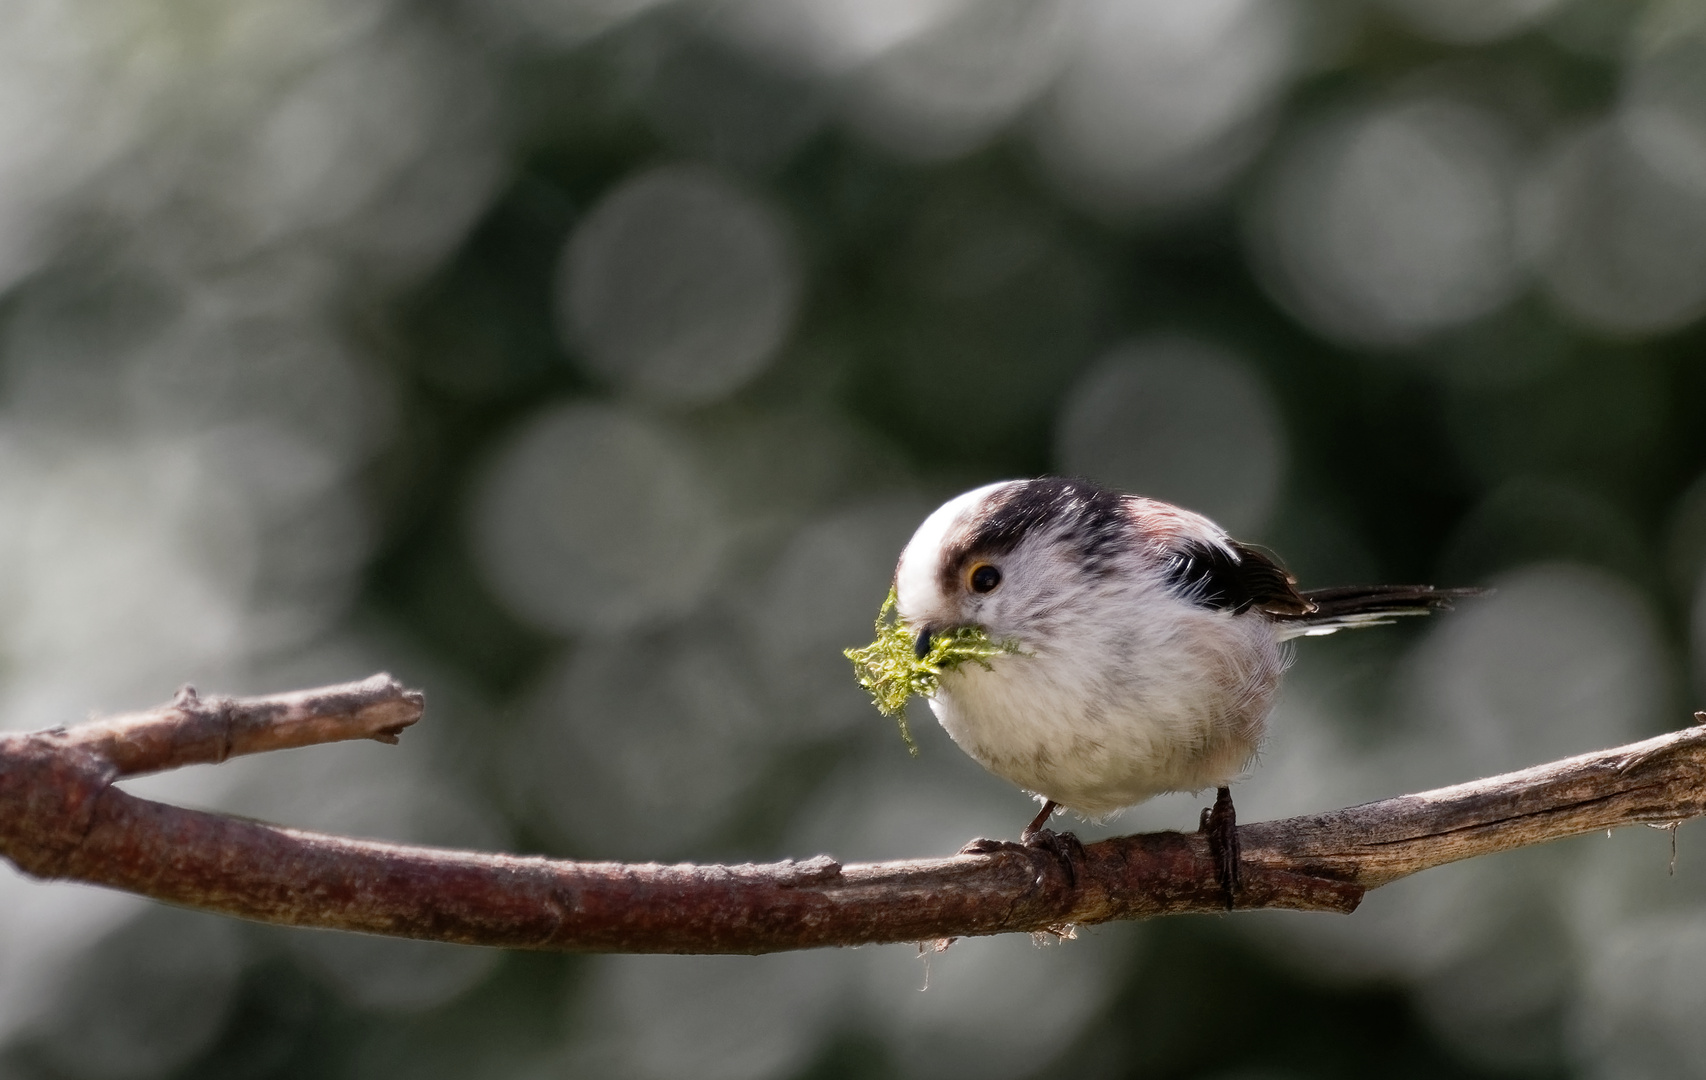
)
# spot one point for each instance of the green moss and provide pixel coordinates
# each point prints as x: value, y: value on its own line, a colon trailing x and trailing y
x: 892, y: 671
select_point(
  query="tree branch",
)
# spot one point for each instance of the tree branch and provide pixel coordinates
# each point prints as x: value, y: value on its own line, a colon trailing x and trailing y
x: 61, y: 817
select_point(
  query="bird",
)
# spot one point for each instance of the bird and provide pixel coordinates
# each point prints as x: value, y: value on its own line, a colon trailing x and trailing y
x: 1143, y: 646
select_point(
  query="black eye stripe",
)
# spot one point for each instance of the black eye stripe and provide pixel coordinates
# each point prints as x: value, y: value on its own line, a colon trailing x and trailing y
x: 1097, y: 518
x: 985, y: 578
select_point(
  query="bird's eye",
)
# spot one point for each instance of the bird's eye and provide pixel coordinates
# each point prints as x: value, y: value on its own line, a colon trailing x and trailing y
x: 984, y: 578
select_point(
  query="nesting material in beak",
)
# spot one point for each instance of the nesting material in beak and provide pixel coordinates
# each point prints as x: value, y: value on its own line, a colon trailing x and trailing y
x: 903, y: 662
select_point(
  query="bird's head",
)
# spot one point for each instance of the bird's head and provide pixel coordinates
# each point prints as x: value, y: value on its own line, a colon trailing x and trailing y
x: 1010, y: 558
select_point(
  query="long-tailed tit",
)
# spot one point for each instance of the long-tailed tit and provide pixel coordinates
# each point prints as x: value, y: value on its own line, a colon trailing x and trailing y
x: 1148, y: 644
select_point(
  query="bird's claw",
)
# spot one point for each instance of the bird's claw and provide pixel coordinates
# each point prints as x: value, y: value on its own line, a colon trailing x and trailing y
x: 1220, y: 825
x: 1065, y: 847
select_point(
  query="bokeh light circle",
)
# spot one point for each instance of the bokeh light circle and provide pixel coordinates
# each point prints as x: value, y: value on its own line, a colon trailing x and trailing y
x: 1179, y: 419
x: 820, y: 596
x: 1159, y: 102
x: 1624, y: 244
x: 1663, y: 110
x: 679, y: 286
x: 638, y: 747
x: 997, y: 1008
x: 592, y: 520
x: 1638, y: 1015
x: 146, y: 999
x: 946, y: 91
x: 825, y: 37
x: 1382, y: 225
x: 1560, y: 658
x: 712, y: 1017
x: 1470, y: 22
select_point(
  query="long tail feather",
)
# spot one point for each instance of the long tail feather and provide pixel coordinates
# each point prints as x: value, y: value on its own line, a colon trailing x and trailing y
x: 1349, y: 607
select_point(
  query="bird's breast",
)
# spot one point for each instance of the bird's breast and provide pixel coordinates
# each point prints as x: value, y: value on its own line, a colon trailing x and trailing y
x: 1099, y: 721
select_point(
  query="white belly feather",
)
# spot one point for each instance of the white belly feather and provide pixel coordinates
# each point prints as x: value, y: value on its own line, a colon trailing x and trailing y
x: 1113, y: 715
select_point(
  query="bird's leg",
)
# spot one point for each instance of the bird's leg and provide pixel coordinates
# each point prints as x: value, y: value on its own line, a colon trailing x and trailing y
x: 1037, y: 823
x: 1220, y: 823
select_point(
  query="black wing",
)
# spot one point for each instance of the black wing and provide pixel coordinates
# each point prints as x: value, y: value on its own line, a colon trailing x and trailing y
x: 1234, y: 580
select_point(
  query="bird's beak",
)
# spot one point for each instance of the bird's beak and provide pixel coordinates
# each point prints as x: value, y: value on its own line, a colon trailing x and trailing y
x: 921, y: 647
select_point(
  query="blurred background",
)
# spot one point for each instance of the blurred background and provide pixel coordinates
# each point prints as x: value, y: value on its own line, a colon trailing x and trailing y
x: 588, y: 362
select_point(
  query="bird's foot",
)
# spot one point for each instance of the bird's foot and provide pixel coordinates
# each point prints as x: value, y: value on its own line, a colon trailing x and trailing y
x: 1220, y: 825
x: 1064, y: 846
